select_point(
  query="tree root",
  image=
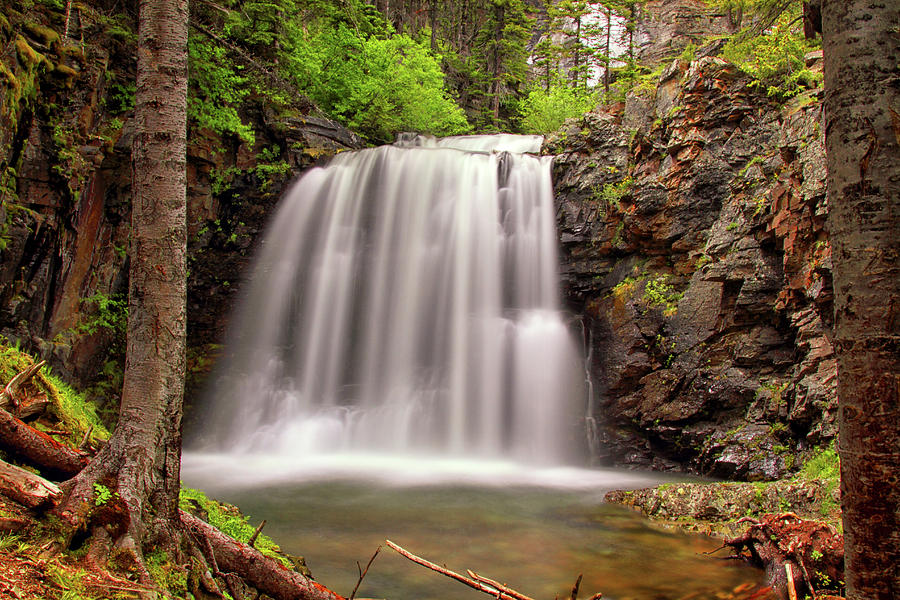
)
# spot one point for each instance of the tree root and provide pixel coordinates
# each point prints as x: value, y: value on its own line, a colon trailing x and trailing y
x: 801, y: 558
x: 102, y: 502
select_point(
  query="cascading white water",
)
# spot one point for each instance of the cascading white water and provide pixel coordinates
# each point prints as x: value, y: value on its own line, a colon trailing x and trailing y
x: 405, y: 300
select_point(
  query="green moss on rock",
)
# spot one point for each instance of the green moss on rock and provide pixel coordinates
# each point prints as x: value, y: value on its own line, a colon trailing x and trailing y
x: 41, y: 33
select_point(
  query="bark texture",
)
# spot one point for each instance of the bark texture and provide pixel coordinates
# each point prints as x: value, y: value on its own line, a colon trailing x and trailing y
x: 256, y: 569
x: 23, y: 441
x: 142, y: 460
x: 862, y: 106
x: 27, y: 489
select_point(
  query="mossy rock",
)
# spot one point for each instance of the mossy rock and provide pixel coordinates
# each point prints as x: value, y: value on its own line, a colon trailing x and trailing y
x: 28, y: 56
x: 65, y: 74
x: 8, y: 76
x: 72, y: 51
x: 41, y: 33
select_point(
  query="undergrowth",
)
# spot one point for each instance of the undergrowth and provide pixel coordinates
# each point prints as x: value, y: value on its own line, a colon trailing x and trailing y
x: 70, y: 411
x: 229, y: 520
x: 824, y: 466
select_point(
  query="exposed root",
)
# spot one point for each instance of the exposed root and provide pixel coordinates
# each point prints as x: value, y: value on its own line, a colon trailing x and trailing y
x: 801, y: 558
x: 105, y: 507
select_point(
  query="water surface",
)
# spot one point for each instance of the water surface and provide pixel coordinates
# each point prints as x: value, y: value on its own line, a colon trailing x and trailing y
x: 533, y: 529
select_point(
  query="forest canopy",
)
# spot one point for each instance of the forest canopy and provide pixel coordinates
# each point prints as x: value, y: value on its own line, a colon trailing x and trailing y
x: 454, y: 67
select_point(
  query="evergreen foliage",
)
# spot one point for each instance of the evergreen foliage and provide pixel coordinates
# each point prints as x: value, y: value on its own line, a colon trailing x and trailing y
x: 776, y: 57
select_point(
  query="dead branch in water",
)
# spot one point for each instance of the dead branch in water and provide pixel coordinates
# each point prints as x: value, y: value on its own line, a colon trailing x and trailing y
x: 496, y: 584
x: 500, y: 594
x: 575, y: 587
x: 474, y: 580
x: 362, y: 572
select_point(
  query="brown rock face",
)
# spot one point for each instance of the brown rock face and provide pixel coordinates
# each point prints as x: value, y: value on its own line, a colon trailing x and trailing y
x: 666, y: 27
x: 692, y: 239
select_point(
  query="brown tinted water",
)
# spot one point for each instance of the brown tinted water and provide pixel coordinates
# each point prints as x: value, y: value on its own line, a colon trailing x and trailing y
x: 535, y: 539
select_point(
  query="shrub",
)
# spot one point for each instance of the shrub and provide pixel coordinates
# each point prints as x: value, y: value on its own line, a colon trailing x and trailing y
x: 545, y: 111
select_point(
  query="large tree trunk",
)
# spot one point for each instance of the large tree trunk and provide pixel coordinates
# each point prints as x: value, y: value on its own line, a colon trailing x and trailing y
x: 141, y: 462
x: 862, y: 102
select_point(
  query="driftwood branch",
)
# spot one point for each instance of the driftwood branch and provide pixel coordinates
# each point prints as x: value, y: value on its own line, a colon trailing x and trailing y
x: 496, y: 592
x: 574, y: 595
x: 362, y: 572
x: 8, y: 397
x: 26, y: 488
x: 497, y: 585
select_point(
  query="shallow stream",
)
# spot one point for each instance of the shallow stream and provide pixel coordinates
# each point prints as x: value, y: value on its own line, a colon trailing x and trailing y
x: 535, y: 530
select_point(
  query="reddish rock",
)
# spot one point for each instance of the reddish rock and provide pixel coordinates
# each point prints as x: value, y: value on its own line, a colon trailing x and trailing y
x: 726, y: 369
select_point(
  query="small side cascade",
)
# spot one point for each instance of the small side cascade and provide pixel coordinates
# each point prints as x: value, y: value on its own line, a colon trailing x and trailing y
x: 405, y: 300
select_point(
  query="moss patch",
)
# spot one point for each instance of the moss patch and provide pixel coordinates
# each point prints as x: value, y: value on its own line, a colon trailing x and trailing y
x: 70, y: 410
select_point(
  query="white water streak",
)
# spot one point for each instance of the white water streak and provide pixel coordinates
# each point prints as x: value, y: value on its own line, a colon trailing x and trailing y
x: 405, y: 300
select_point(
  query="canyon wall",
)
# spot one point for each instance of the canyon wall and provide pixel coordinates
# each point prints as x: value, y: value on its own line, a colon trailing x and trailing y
x: 692, y: 220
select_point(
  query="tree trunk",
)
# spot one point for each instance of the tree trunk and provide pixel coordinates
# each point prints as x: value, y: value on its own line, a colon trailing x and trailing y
x: 606, y: 51
x: 576, y: 69
x: 141, y: 462
x: 432, y: 11
x: 862, y: 101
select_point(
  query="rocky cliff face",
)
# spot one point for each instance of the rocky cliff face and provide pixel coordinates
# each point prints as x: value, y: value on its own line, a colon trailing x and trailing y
x: 664, y: 28
x: 691, y: 222
x: 65, y: 145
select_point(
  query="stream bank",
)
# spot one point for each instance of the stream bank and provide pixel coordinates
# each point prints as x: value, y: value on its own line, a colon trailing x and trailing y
x: 716, y: 508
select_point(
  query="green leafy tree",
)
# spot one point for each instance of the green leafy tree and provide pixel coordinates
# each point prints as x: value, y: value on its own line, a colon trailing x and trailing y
x: 545, y: 111
x: 399, y: 87
x: 776, y: 57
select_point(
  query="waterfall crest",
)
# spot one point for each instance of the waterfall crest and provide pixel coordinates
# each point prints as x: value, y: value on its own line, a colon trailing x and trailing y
x: 404, y: 299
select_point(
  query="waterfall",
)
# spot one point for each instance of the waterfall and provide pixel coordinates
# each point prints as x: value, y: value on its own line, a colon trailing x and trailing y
x: 405, y: 300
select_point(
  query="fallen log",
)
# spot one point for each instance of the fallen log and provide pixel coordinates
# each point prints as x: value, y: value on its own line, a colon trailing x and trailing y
x: 33, y: 409
x: 26, y: 488
x: 9, y: 395
x: 55, y: 460
x: 265, y: 574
